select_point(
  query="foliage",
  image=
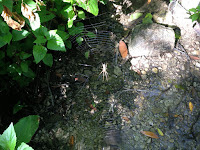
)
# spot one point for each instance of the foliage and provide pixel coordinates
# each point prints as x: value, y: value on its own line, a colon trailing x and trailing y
x: 32, y: 30
x: 147, y: 19
x: 195, y: 14
x: 19, y: 134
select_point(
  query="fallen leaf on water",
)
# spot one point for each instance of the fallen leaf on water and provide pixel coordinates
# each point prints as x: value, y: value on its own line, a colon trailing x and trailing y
x: 126, y: 118
x: 123, y: 49
x: 149, y: 134
x: 191, y: 106
x: 160, y: 132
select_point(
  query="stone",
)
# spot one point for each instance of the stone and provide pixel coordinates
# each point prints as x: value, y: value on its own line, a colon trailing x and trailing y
x: 151, y: 40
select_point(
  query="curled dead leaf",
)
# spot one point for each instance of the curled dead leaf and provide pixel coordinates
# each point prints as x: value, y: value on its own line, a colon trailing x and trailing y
x: 27, y: 12
x: 126, y: 118
x: 7, y: 14
x: 123, y: 49
x: 149, y: 134
x: 191, y: 106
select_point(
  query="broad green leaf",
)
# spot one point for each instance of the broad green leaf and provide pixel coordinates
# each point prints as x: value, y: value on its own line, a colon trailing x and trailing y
x: 79, y: 40
x: 87, y: 54
x: 4, y: 27
x: 5, y: 39
x: 91, y: 35
x: 193, y: 10
x: 76, y: 29
x: 35, y: 24
x: 24, y: 55
x: 24, y: 66
x: 55, y: 42
x: 81, y: 3
x: 29, y: 74
x: 135, y: 16
x: 45, y: 15
x: 19, y: 35
x: 63, y: 35
x: 24, y: 146
x: 40, y: 40
x: 39, y: 52
x: 48, y: 60
x: 68, y: 44
x: 92, y: 7
x: 70, y: 23
x: 8, y: 3
x: 81, y: 14
x: 195, y: 17
x: 30, y: 3
x: 198, y: 7
x: 25, y: 128
x: 8, y: 138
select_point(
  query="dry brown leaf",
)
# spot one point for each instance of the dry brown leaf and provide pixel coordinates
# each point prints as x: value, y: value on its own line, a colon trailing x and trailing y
x: 19, y: 19
x: 27, y: 12
x: 7, y: 14
x: 191, y: 106
x: 194, y: 57
x: 123, y: 49
x: 149, y: 1
x: 126, y: 118
x: 149, y: 134
x: 71, y: 141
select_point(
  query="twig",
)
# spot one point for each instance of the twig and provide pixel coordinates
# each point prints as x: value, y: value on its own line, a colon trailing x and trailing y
x: 47, y: 80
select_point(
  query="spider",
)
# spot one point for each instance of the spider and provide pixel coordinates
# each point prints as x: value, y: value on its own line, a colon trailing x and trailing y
x: 104, y: 72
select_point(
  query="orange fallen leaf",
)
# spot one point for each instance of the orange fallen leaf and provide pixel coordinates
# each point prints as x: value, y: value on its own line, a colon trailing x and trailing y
x: 191, y: 106
x: 71, y: 141
x: 149, y: 1
x: 149, y: 134
x: 126, y: 118
x: 123, y: 49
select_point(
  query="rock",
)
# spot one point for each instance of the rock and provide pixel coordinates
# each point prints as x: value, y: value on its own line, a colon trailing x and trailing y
x: 151, y: 40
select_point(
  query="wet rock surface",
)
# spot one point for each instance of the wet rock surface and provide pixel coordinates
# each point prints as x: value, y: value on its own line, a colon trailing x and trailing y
x: 151, y: 91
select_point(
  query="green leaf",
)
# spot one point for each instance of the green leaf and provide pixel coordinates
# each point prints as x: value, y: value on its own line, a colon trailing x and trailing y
x: 24, y: 146
x: 55, y: 42
x: 25, y: 128
x: 81, y: 14
x: 24, y: 55
x: 48, y: 60
x: 195, y: 17
x: 19, y: 35
x: 92, y: 7
x: 160, y: 132
x: 81, y: 4
x: 91, y: 35
x: 29, y: 74
x: 31, y: 4
x: 147, y: 19
x: 193, y: 10
x: 63, y: 35
x: 70, y: 23
x: 135, y: 16
x: 39, y: 52
x: 87, y: 54
x: 79, y: 40
x: 45, y: 15
x: 5, y: 39
x: 8, y: 138
x: 17, y: 107
x: 24, y: 66
x: 40, y: 40
x: 68, y: 44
